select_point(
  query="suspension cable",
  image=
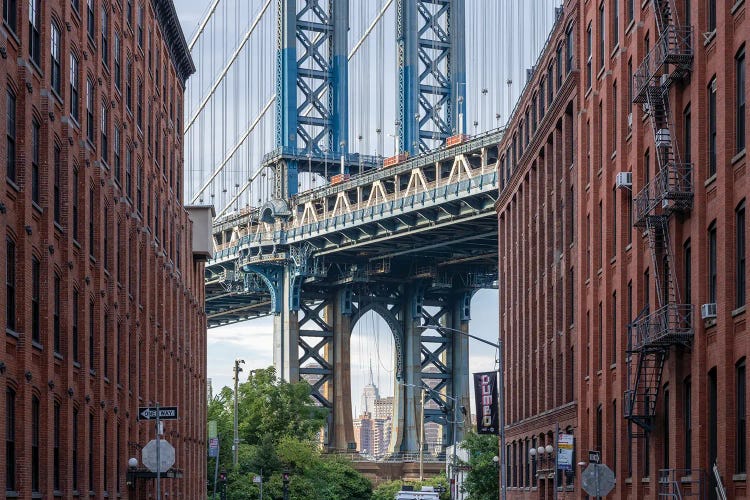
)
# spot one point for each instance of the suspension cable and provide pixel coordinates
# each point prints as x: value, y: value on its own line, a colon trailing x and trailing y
x: 227, y: 66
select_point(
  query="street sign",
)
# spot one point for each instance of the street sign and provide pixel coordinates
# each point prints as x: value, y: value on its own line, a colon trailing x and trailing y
x: 166, y: 456
x: 595, y: 457
x: 149, y: 413
x: 257, y: 479
x: 598, y: 480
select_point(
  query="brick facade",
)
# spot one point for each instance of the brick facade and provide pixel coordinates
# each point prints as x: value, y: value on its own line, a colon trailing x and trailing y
x: 564, y: 292
x: 102, y: 220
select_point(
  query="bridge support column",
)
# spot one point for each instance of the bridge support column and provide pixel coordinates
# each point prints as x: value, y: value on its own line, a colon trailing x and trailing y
x: 458, y: 365
x: 286, y: 332
x: 338, y: 314
x: 407, y: 393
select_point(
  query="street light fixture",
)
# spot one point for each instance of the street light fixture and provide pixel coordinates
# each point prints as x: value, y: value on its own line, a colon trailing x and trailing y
x: 501, y: 394
x: 236, y: 443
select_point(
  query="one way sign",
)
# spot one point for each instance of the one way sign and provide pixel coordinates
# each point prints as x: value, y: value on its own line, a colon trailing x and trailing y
x: 165, y: 413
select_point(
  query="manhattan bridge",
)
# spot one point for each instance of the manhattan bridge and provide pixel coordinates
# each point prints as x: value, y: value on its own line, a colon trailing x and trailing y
x: 350, y: 150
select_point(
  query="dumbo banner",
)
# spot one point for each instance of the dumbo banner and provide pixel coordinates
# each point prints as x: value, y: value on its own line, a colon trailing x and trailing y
x: 485, y: 393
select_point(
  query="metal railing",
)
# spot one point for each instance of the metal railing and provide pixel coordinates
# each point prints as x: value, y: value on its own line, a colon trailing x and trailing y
x: 670, y: 324
x: 682, y: 483
x: 670, y: 191
x: 674, y: 46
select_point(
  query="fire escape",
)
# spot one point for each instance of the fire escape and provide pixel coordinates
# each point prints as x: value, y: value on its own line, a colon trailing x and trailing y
x: 654, y: 332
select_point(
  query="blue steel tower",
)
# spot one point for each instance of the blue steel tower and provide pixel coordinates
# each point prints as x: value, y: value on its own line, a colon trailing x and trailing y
x: 432, y: 72
x: 311, y: 88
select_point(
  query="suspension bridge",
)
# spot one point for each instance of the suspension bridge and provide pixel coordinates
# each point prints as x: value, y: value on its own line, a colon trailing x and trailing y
x: 321, y: 218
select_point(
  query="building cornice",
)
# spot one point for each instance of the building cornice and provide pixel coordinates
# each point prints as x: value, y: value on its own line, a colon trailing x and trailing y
x: 174, y: 38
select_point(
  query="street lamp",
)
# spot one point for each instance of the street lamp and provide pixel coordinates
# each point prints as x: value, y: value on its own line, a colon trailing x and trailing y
x: 236, y: 443
x: 501, y: 394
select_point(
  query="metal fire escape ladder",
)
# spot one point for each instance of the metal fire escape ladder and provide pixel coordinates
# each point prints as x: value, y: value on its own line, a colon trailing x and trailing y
x: 653, y: 333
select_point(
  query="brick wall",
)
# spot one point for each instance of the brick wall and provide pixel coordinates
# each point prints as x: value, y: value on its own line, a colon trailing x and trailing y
x: 135, y: 278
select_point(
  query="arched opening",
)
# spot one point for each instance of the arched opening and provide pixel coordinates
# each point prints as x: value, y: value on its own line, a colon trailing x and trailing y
x: 372, y: 380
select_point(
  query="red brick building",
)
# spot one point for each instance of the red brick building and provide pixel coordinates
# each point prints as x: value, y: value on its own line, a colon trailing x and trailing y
x: 103, y: 299
x: 623, y: 248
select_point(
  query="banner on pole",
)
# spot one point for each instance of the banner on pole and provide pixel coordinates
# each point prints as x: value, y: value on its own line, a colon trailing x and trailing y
x: 565, y: 452
x: 485, y: 394
x: 212, y: 429
x: 213, y: 447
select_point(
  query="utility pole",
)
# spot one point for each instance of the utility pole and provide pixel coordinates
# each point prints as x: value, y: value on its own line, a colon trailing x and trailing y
x: 236, y: 442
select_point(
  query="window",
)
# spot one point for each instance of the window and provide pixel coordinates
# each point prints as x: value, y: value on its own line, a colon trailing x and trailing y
x: 105, y: 46
x: 35, y: 443
x: 105, y: 468
x: 589, y: 48
x: 92, y: 214
x: 602, y: 23
x: 74, y: 87
x: 569, y: 50
x: 56, y: 314
x: 613, y: 354
x: 74, y: 330
x: 76, y: 5
x: 739, y: 64
x: 57, y: 174
x: 74, y: 204
x: 55, y: 74
x: 711, y: 17
x: 630, y: 85
x: 74, y: 452
x: 713, y: 420
x: 599, y: 430
x: 129, y: 11
x: 91, y: 451
x: 10, y: 134
x: 741, y: 425
x: 687, y: 411
x: 128, y: 172
x: 139, y: 109
x: 550, y: 84
x: 10, y: 439
x: 35, y: 147
x: 631, y: 10
x: 140, y: 26
x: 90, y: 110
x: 712, y: 264
x: 139, y: 189
x: 103, y: 133
x: 116, y: 154
x: 105, y: 243
x: 35, y: 32
x: 739, y: 244
x: 56, y: 447
x: 92, y: 323
x: 615, y: 104
x: 665, y: 426
x: 712, y: 127
x: 10, y: 14
x: 559, y: 66
x: 117, y: 58
x: 687, y: 271
x: 36, y: 330
x: 615, y: 10
x: 129, y: 85
x: 687, y: 126
x: 91, y: 29
x: 10, y: 284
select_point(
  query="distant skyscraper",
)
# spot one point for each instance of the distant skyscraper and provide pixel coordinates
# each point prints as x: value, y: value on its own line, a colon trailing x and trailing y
x: 369, y: 395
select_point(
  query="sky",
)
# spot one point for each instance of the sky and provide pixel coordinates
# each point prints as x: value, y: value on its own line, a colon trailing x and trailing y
x: 492, y: 89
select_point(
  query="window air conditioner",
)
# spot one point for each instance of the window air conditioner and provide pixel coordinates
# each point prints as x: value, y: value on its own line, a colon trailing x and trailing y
x: 624, y: 180
x: 708, y: 310
x: 630, y: 120
x: 663, y: 138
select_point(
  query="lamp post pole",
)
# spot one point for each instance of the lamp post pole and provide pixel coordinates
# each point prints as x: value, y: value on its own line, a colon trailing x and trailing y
x: 500, y: 397
x: 236, y: 442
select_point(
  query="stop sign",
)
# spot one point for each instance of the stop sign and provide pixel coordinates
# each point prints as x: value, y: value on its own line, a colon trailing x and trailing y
x: 166, y: 456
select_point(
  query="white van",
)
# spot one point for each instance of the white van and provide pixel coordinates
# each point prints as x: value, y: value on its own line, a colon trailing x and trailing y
x: 427, y: 493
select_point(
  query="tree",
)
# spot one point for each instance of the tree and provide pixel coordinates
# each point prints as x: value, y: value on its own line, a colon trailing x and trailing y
x: 482, y: 481
x: 278, y: 428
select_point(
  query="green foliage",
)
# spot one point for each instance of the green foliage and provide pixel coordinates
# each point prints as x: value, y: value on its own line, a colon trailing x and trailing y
x: 388, y: 489
x: 482, y: 481
x: 278, y: 427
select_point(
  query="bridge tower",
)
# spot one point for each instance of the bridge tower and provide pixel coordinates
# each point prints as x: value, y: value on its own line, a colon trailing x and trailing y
x: 432, y: 72
x: 311, y: 87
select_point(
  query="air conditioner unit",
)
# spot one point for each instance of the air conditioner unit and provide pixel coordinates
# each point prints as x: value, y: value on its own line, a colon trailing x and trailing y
x: 630, y: 120
x: 666, y: 203
x: 663, y: 138
x: 708, y: 310
x: 664, y: 79
x: 624, y: 180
